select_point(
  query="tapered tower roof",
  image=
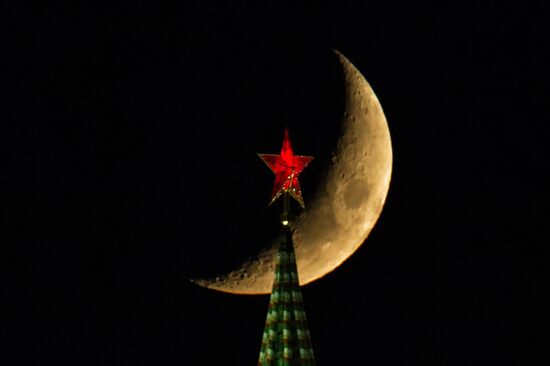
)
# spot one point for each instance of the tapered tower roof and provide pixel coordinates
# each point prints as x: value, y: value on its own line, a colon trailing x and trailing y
x: 286, y: 340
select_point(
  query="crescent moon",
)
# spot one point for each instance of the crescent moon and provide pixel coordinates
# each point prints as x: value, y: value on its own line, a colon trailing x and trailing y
x: 346, y: 205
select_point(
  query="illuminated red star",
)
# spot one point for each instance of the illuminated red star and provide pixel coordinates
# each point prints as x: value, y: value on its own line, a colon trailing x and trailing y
x: 286, y: 166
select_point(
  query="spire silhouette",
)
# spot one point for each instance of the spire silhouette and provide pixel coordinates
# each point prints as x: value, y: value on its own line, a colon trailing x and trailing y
x: 286, y: 340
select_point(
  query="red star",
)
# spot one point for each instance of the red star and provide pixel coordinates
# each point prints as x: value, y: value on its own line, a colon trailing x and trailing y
x: 286, y: 168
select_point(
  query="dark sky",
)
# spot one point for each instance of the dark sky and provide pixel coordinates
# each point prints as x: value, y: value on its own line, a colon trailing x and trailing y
x: 128, y: 153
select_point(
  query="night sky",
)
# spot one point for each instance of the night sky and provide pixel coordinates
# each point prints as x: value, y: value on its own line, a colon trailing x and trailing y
x: 128, y: 146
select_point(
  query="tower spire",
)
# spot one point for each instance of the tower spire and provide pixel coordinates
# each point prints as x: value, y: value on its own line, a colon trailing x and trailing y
x: 286, y: 339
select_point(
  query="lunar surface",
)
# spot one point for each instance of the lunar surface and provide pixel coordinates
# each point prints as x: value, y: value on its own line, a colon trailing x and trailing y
x: 346, y: 205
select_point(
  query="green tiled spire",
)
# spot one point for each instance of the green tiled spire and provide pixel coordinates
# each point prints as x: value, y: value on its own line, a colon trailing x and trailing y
x: 286, y: 340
